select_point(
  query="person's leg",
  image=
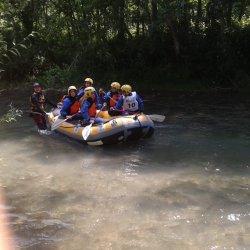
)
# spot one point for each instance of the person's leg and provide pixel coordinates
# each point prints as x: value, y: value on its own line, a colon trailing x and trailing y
x: 44, y: 122
x: 40, y: 122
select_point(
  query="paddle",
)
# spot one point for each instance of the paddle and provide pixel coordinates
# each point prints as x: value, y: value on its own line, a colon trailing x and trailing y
x: 86, y: 131
x: 58, y: 122
x: 37, y: 113
x: 157, y: 118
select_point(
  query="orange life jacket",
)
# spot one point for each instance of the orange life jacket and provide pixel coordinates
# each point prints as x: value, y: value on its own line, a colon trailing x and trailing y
x: 92, y: 110
x: 74, y: 108
x: 114, y: 98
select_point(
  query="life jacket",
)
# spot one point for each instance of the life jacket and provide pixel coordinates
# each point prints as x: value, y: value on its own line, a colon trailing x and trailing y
x: 130, y: 103
x: 114, y: 98
x: 40, y: 99
x: 92, y: 109
x: 75, y: 106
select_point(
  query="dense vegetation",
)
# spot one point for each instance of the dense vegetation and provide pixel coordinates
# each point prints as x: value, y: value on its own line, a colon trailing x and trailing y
x: 155, y: 42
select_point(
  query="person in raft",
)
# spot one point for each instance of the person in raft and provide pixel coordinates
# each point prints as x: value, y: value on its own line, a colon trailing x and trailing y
x: 88, y: 82
x: 129, y: 102
x: 111, y: 98
x: 89, y: 107
x: 37, y: 103
x: 70, y: 106
x: 101, y: 94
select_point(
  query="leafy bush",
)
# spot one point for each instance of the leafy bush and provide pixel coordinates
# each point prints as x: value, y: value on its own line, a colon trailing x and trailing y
x: 11, y: 115
x: 55, y: 77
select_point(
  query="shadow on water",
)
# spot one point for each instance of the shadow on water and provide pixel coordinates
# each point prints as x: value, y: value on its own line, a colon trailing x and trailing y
x: 187, y: 187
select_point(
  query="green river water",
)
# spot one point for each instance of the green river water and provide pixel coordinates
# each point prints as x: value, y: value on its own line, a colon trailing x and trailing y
x: 187, y: 187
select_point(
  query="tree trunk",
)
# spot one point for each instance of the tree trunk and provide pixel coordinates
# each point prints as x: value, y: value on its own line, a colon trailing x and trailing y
x: 242, y: 9
x: 229, y: 13
x: 138, y: 18
x: 119, y: 13
x: 199, y: 15
x: 28, y: 16
x: 173, y: 32
x: 154, y: 15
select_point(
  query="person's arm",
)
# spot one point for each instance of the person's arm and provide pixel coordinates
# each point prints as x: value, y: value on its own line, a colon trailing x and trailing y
x: 79, y: 94
x: 119, y: 104
x: 85, y: 110
x: 140, y: 103
x: 65, y: 108
x: 98, y: 101
x: 106, y: 98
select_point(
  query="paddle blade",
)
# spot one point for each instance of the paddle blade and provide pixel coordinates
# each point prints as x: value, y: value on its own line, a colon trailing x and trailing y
x: 157, y: 118
x: 86, y: 132
x: 57, y: 124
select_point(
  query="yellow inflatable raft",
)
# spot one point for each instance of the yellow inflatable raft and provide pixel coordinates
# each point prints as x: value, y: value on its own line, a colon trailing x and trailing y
x: 117, y: 129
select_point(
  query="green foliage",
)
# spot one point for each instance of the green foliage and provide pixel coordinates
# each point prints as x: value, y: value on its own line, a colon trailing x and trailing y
x: 126, y: 40
x: 11, y: 115
x: 7, y: 55
x: 55, y: 77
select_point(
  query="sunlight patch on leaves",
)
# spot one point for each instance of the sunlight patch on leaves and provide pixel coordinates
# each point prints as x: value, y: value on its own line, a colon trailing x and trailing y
x: 11, y: 115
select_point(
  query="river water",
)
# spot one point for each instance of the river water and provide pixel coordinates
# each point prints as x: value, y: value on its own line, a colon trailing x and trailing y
x: 185, y: 188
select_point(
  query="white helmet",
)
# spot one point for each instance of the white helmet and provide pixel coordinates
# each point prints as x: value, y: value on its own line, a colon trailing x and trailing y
x: 71, y: 88
x: 89, y: 80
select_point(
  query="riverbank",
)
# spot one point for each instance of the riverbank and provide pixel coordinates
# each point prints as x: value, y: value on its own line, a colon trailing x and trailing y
x: 186, y: 101
x: 154, y: 89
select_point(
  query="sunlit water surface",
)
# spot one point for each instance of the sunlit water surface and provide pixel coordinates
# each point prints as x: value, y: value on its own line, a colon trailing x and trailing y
x: 185, y: 188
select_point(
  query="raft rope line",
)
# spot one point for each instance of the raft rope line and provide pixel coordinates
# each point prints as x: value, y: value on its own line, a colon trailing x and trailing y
x: 135, y: 117
x: 106, y: 122
x: 138, y: 119
x: 69, y: 127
